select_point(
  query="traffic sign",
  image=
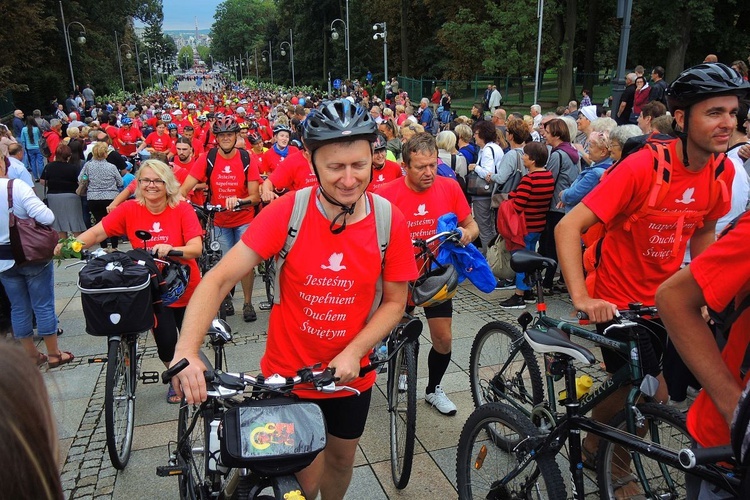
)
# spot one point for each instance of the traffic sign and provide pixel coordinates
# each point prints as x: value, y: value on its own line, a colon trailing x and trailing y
x: 337, y: 83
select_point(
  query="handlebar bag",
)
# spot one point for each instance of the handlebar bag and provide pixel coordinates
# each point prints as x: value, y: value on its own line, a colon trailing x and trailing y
x: 116, y: 295
x: 272, y: 437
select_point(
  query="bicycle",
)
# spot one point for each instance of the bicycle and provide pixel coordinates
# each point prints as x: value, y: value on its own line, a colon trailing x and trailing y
x: 521, y: 464
x: 236, y: 445
x: 269, y: 279
x: 104, y: 310
x: 212, y: 252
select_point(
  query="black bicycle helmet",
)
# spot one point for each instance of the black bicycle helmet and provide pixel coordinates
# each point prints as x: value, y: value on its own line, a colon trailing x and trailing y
x: 336, y: 121
x: 435, y: 286
x: 176, y: 277
x: 225, y: 124
x: 379, y: 142
x: 702, y: 82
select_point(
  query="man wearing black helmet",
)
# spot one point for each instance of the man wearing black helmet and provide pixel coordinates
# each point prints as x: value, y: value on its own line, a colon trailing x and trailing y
x: 648, y: 219
x: 233, y: 178
x: 334, y: 264
x: 383, y: 170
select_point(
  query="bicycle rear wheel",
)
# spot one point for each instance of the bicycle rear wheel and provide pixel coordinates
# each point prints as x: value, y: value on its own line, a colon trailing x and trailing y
x: 119, y: 400
x: 503, y: 368
x: 481, y: 465
x: 615, y: 467
x: 402, y: 407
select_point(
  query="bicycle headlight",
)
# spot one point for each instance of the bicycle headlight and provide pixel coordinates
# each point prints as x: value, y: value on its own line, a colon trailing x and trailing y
x: 215, y: 246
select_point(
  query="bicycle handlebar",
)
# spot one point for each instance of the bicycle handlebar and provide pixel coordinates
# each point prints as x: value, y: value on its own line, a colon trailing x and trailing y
x: 230, y: 384
x: 208, y: 208
x: 692, y: 457
x: 634, y: 310
x: 453, y: 236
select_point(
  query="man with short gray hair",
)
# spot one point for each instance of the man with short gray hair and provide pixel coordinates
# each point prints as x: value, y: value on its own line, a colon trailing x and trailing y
x: 626, y: 100
x: 40, y: 121
x: 495, y: 98
x: 536, y: 114
x: 17, y: 170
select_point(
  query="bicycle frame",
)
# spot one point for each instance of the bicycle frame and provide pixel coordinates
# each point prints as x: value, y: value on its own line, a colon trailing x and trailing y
x: 569, y: 429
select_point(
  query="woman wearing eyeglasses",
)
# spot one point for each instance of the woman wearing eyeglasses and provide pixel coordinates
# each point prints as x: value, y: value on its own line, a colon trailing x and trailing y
x: 173, y: 225
x: 104, y: 181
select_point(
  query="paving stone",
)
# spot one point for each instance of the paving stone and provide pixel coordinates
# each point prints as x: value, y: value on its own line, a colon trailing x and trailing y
x: 87, y: 481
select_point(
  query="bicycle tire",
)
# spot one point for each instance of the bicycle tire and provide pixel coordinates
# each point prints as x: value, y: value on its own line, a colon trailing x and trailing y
x: 665, y: 426
x: 402, y: 409
x: 481, y: 464
x: 198, y: 483
x: 269, y: 279
x: 500, y: 344
x: 119, y: 402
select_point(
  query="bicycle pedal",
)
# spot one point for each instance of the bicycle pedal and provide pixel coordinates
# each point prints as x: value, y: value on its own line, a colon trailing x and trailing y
x: 149, y: 377
x: 265, y: 306
x: 170, y: 470
x: 97, y: 360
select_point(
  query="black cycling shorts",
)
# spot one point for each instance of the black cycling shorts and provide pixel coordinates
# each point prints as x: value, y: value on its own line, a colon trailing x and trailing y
x: 444, y: 310
x: 345, y: 417
x: 652, y: 341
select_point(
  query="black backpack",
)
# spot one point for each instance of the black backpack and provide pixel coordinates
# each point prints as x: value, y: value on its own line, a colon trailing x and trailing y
x: 44, y: 145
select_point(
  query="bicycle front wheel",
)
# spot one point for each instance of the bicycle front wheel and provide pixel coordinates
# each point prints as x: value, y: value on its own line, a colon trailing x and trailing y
x: 192, y: 454
x: 402, y: 407
x: 119, y: 401
x: 618, y: 468
x: 482, y: 465
x: 503, y: 368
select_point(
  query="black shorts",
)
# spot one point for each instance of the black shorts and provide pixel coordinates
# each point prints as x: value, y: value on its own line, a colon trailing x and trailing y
x: 652, y: 341
x: 345, y: 417
x: 444, y: 310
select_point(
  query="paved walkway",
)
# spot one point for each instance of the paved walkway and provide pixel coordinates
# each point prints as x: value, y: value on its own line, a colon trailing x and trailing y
x: 77, y: 393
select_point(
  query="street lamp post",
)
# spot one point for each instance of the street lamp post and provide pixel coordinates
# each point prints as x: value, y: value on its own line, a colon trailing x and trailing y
x: 270, y: 59
x: 335, y: 36
x: 128, y: 55
x: 384, y: 36
x: 138, y: 63
x: 289, y: 44
x: 257, y: 74
x: 540, y: 15
x: 68, y: 47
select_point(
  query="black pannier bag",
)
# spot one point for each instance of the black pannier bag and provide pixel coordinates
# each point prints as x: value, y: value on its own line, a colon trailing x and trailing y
x: 116, y: 295
x: 272, y: 437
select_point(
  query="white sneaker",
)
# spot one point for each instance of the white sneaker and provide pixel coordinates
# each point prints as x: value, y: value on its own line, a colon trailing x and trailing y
x: 692, y: 392
x: 402, y: 383
x: 440, y: 401
x: 678, y: 405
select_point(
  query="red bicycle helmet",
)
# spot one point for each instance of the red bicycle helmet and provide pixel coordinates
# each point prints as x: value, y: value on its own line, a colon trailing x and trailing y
x: 225, y: 124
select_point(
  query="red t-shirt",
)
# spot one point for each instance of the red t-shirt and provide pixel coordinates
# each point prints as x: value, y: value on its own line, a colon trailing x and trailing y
x: 723, y: 273
x: 174, y: 226
x: 161, y: 143
x: 228, y: 179
x: 127, y: 138
x: 390, y: 171
x: 181, y: 172
x: 634, y: 263
x: 293, y: 173
x: 422, y: 209
x: 271, y: 159
x: 112, y: 132
x: 328, y: 283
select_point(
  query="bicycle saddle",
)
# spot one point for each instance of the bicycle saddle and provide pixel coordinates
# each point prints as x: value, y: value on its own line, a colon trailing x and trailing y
x: 556, y: 340
x: 526, y: 261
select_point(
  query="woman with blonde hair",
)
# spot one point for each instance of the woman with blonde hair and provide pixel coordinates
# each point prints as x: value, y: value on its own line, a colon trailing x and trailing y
x: 173, y: 226
x: 447, y: 152
x: 104, y: 181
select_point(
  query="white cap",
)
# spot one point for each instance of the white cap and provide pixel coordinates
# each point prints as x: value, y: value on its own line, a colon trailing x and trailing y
x: 177, y: 112
x: 240, y: 110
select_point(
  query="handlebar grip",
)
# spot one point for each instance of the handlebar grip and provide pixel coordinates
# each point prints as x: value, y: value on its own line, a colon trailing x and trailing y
x: 174, y: 253
x: 367, y: 369
x: 170, y: 372
x: 692, y: 457
x: 582, y: 316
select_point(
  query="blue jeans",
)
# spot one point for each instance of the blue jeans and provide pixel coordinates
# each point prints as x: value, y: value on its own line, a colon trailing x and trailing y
x: 229, y: 236
x: 36, y: 161
x: 531, y: 241
x: 31, y: 288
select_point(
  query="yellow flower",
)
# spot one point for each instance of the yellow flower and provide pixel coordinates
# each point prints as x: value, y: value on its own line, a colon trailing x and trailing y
x: 76, y: 246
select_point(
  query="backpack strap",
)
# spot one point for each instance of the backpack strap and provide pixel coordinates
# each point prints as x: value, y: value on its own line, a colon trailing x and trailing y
x: 382, y: 208
x: 301, y: 200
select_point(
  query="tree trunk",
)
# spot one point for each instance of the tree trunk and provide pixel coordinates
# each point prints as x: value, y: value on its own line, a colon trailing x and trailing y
x: 678, y: 47
x: 565, y: 89
x: 592, y: 35
x: 404, y: 37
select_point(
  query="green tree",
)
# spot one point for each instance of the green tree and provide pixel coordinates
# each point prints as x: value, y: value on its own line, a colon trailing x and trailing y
x: 185, y: 58
x: 240, y: 25
x: 204, y: 54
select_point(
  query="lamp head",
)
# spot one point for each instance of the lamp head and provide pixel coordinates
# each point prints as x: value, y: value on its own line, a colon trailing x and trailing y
x: 283, y: 52
x: 128, y: 55
x: 335, y: 34
x: 81, y: 39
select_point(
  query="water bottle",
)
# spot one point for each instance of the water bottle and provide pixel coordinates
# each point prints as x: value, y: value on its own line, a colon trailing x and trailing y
x: 214, y: 447
x: 381, y: 350
x: 583, y: 386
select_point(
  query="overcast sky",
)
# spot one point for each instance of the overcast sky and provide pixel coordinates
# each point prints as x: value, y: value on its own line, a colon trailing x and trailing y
x: 181, y: 14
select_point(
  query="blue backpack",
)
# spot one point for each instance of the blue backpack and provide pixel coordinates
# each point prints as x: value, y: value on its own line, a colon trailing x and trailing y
x: 444, y: 170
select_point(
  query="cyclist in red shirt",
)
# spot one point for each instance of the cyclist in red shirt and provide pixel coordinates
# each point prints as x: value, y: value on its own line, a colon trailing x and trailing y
x: 158, y: 140
x: 280, y: 151
x: 230, y: 182
x: 127, y: 137
x: 336, y: 260
x: 383, y: 170
x: 638, y: 256
x: 423, y: 196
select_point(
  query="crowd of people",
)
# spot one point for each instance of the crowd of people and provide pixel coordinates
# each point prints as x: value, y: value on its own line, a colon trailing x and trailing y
x: 582, y: 177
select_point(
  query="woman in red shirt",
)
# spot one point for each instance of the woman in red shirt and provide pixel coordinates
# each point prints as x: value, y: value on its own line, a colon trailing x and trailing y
x: 173, y: 225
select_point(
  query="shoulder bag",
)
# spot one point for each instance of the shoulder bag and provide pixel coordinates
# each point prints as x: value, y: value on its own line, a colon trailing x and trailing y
x: 479, y: 186
x: 83, y: 184
x: 30, y: 241
x: 500, y: 194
